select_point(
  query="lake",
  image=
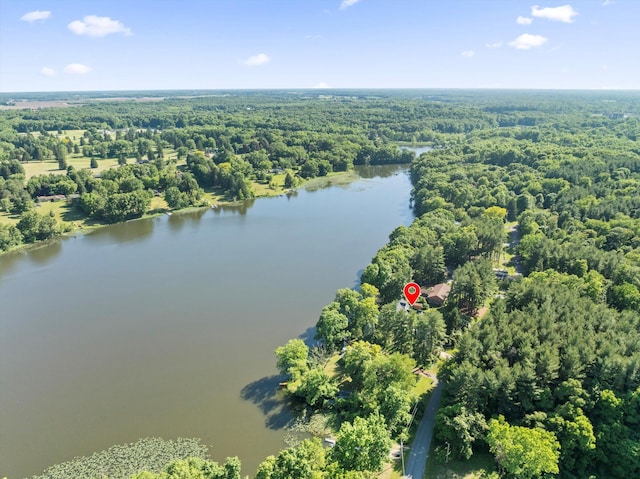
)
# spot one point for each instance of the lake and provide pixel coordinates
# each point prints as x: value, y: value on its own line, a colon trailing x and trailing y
x: 167, y: 326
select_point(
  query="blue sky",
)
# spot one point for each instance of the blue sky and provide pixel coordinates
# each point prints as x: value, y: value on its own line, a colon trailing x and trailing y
x: 53, y: 45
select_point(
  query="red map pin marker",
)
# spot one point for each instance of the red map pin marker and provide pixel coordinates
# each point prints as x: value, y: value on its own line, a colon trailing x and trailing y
x: 411, y: 292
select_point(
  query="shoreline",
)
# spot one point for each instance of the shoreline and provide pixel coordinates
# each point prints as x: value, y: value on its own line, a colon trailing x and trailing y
x: 341, y: 178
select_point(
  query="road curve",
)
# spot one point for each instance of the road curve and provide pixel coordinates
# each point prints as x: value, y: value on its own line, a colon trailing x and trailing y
x: 417, y: 459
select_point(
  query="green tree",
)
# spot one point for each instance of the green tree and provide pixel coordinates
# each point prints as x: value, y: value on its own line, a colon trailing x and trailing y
x: 331, y: 328
x: 289, y: 180
x: 523, y: 452
x: 457, y: 429
x: 92, y: 204
x: 625, y: 296
x: 429, y: 265
x: 36, y: 227
x: 292, y: 361
x: 316, y: 386
x: 175, y: 198
x: 125, y: 206
x: 305, y: 461
x: 577, y: 440
x: 459, y: 245
x: 10, y: 236
x: 429, y: 337
x: 472, y: 286
x: 195, y: 468
x: 495, y: 212
x: 362, y: 445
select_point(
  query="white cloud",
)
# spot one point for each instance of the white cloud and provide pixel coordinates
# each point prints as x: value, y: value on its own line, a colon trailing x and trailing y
x: 321, y: 85
x: 607, y: 3
x: 524, y: 20
x: 77, y: 69
x: 468, y: 53
x: 527, y: 41
x: 347, y: 3
x: 565, y: 13
x: 493, y: 45
x: 48, y: 72
x: 35, y: 15
x: 257, y: 60
x: 94, y: 26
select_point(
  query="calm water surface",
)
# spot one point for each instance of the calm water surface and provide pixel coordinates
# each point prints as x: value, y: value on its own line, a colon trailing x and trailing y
x: 166, y: 327
x: 418, y: 150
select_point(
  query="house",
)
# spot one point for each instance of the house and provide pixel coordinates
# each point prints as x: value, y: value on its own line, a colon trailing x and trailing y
x: 43, y: 199
x: 437, y: 295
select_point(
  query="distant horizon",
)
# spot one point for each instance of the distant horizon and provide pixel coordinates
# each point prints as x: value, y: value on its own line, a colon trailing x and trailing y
x: 312, y: 89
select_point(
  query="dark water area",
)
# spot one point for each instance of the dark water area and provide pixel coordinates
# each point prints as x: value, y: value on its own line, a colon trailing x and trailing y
x: 167, y: 326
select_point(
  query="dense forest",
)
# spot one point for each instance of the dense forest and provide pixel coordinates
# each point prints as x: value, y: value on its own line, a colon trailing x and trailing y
x: 528, y: 205
x: 548, y: 380
x: 175, y: 154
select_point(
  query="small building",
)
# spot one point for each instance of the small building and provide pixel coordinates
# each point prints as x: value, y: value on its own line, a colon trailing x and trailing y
x: 437, y: 295
x: 501, y: 274
x: 43, y: 199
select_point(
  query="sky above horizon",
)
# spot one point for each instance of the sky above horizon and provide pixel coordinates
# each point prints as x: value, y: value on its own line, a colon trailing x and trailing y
x: 57, y: 45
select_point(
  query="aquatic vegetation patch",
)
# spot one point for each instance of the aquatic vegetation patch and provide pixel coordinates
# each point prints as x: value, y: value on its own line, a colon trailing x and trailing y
x: 122, y: 461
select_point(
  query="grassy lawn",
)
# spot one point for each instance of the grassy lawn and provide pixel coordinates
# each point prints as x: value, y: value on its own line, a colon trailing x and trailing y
x: 158, y: 205
x: 423, y: 386
x: 64, y: 212
x: 479, y: 466
x: 72, y: 134
x: 341, y: 178
x: 331, y: 368
x: 7, y: 219
x: 35, y: 168
x: 263, y: 189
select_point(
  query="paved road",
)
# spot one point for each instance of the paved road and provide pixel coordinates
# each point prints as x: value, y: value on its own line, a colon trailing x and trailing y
x: 420, y: 448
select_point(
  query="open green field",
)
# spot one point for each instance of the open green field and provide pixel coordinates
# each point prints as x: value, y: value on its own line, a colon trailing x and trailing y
x: 71, y: 134
x: 7, y: 219
x: 35, y: 168
x: 341, y: 178
x: 263, y: 188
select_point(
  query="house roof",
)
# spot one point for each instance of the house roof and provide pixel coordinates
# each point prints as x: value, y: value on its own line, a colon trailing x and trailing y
x: 440, y: 291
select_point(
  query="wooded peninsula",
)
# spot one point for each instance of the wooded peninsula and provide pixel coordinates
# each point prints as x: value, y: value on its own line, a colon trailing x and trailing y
x: 527, y: 209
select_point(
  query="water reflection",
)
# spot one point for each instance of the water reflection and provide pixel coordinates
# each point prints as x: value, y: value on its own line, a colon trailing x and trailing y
x: 236, y: 208
x: 180, y: 219
x: 10, y: 261
x: 131, y: 231
x: 379, y: 171
x: 42, y: 253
